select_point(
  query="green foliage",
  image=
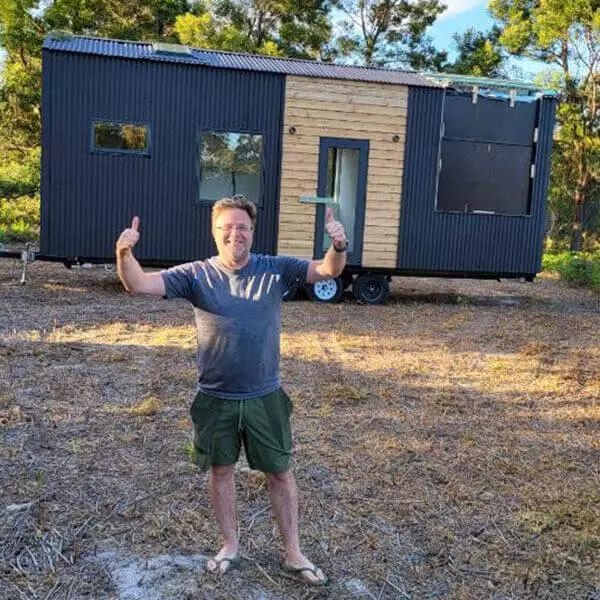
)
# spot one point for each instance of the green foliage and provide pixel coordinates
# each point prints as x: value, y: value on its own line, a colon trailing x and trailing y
x: 141, y: 20
x: 582, y: 268
x: 277, y: 28
x: 19, y: 220
x: 20, y: 97
x: 21, y: 32
x: 387, y: 32
x: 21, y: 175
x: 566, y: 34
x: 479, y: 54
x: 204, y: 31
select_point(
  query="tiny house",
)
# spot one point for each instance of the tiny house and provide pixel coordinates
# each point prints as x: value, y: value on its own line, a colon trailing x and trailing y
x: 430, y: 175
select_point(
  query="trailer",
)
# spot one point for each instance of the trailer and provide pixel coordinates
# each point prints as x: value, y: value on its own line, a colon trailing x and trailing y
x: 431, y: 175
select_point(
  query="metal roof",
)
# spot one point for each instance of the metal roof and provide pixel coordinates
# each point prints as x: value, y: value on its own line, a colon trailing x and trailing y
x: 234, y: 60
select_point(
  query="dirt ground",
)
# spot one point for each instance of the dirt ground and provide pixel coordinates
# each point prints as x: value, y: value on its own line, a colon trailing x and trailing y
x: 446, y: 445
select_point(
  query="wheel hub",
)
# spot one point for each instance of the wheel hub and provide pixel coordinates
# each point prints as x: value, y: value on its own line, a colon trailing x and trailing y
x: 325, y: 290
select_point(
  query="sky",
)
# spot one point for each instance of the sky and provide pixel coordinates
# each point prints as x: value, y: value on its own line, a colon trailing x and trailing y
x: 463, y: 14
x: 458, y: 17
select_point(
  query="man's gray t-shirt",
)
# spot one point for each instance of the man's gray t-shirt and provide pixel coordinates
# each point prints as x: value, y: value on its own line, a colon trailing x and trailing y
x: 238, y: 315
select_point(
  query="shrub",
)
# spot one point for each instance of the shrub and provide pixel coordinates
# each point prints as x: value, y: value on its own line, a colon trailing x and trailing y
x: 581, y: 268
x: 19, y: 220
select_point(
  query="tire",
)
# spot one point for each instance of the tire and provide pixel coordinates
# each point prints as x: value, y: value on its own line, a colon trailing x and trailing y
x: 371, y: 288
x: 291, y: 292
x: 329, y: 290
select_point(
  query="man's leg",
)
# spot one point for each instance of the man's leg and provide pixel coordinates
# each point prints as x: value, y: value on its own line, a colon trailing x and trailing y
x: 284, y: 500
x: 222, y: 492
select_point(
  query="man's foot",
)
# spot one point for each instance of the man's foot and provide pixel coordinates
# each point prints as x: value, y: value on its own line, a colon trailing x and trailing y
x: 223, y: 562
x: 306, y: 572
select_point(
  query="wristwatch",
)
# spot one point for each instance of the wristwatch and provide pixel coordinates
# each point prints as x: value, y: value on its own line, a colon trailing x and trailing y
x: 342, y: 249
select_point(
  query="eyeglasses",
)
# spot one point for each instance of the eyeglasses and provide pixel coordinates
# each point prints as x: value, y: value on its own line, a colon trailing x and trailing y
x: 229, y: 228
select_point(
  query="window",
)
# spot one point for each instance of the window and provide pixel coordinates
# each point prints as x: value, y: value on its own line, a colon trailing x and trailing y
x: 230, y: 163
x: 116, y: 137
x: 343, y: 170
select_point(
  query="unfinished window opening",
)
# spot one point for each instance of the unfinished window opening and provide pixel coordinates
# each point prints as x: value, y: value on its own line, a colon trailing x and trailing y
x: 486, y: 156
x: 230, y: 163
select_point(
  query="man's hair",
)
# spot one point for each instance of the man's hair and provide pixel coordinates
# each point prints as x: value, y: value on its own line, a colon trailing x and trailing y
x: 238, y: 201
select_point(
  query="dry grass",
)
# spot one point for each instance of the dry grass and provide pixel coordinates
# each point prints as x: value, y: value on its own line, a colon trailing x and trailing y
x: 447, y: 444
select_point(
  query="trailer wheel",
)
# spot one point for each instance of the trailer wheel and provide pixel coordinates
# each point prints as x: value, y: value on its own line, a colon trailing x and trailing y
x: 328, y: 290
x: 371, y: 288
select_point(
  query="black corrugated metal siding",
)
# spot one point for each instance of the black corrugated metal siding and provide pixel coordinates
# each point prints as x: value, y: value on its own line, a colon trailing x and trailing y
x: 465, y: 243
x: 542, y: 176
x: 88, y: 198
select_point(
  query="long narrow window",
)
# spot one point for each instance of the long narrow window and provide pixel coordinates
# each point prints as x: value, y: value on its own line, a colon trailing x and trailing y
x: 343, y: 173
x: 230, y: 163
x: 117, y: 137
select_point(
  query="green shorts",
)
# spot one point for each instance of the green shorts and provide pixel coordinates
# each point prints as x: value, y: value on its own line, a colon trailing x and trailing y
x: 261, y: 424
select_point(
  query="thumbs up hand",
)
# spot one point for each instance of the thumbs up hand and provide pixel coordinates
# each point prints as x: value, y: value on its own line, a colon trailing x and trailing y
x: 129, y: 238
x: 335, y: 229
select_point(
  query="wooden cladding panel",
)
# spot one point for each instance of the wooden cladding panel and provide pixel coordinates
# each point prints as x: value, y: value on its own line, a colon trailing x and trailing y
x: 353, y: 110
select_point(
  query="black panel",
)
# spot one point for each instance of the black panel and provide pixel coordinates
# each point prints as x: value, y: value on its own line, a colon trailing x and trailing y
x: 486, y: 153
x: 485, y: 177
x: 489, y: 120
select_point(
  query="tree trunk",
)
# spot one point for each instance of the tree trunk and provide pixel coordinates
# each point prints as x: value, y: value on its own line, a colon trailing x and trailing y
x: 579, y: 198
x: 576, y: 227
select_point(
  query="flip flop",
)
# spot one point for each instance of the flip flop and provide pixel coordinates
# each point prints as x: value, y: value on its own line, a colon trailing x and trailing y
x: 233, y: 561
x: 298, y: 574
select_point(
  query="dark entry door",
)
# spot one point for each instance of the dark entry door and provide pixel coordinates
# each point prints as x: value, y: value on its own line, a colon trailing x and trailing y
x: 343, y: 177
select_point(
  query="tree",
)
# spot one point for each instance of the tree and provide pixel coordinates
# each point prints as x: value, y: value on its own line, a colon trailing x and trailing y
x: 566, y: 34
x: 479, y: 53
x: 21, y: 36
x: 389, y: 32
x: 142, y: 20
x: 278, y: 27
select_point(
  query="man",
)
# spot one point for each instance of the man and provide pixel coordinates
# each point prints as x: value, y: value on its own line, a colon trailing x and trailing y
x: 237, y: 302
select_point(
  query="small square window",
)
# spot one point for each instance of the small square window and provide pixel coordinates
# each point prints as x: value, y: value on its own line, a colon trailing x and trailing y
x: 230, y: 163
x: 116, y: 137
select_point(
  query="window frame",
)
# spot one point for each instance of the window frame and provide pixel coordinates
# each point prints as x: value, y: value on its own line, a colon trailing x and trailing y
x: 199, y: 163
x: 119, y: 151
x: 363, y: 146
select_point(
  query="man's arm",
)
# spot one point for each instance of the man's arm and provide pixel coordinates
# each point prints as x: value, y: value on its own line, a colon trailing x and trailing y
x: 129, y: 269
x: 334, y: 261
